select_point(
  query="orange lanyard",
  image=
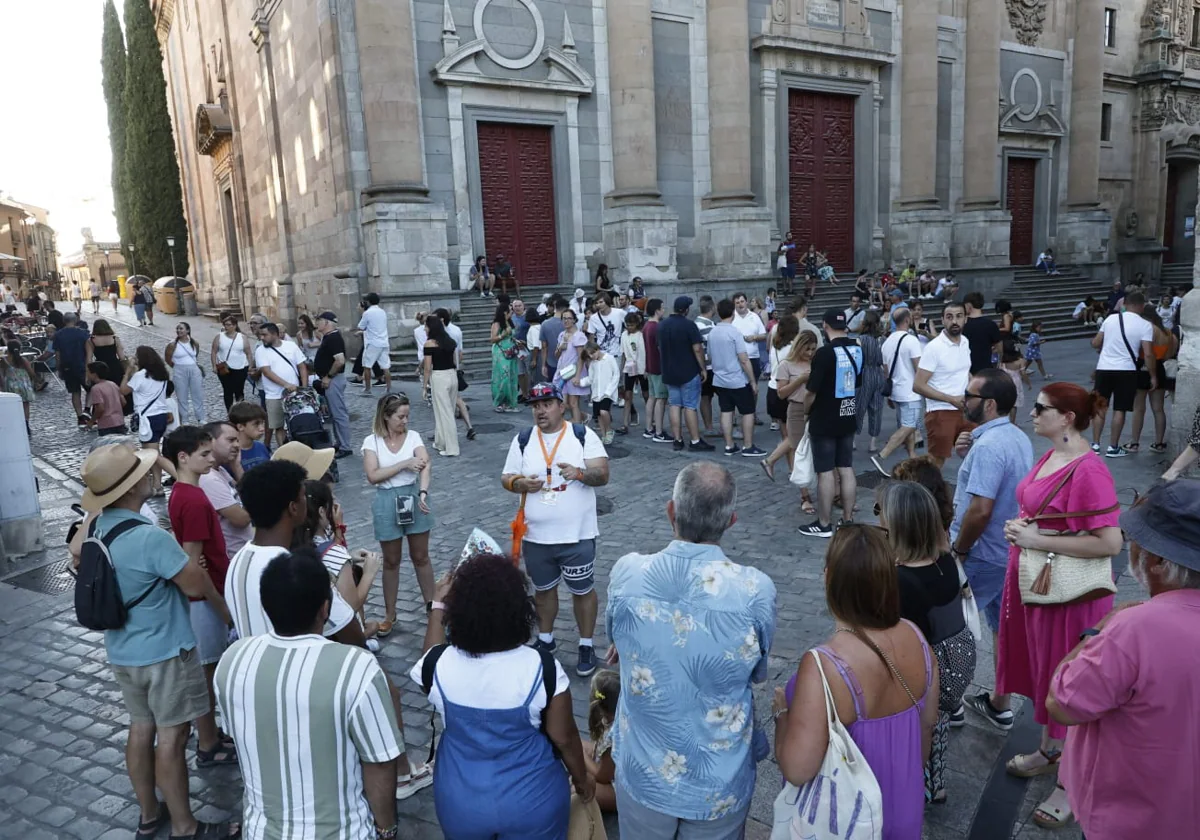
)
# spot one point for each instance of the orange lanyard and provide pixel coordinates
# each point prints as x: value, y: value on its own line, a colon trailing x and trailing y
x: 549, y: 456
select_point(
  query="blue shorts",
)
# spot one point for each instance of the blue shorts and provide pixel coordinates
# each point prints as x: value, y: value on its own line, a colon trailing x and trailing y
x: 686, y: 395
x: 987, y: 584
x: 908, y: 414
x: 548, y: 563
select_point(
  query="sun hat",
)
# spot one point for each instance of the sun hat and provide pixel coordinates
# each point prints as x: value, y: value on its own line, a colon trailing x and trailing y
x: 1166, y: 522
x: 315, y: 461
x: 110, y: 472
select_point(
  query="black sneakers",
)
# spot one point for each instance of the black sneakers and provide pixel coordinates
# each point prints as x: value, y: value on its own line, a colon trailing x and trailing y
x: 981, y: 703
x: 700, y: 446
x: 816, y: 529
x: 587, y: 661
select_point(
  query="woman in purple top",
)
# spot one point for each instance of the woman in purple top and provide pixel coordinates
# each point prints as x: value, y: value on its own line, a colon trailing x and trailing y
x: 886, y: 694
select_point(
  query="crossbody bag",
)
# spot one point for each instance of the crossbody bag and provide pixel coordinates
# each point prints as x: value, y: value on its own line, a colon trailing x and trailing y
x: 1138, y: 361
x: 143, y: 430
x: 887, y: 386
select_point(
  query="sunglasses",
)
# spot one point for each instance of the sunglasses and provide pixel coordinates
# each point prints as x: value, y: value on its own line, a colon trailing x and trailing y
x: 1038, y: 408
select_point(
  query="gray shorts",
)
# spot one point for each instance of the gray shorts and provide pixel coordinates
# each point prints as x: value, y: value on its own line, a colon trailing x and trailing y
x: 547, y: 564
x: 636, y: 820
x: 212, y: 634
x: 167, y: 693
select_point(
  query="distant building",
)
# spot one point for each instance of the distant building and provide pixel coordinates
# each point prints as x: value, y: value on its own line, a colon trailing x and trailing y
x: 99, y: 260
x: 25, y: 232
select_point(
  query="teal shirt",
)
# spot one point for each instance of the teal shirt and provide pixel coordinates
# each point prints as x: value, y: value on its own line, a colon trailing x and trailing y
x: 159, y: 627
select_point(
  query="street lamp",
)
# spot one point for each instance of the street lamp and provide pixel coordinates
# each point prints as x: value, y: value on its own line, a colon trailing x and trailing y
x: 132, y: 260
x: 171, y: 247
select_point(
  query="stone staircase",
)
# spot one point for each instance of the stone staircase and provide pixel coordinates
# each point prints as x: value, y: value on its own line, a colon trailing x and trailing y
x: 1176, y: 274
x: 1051, y: 300
x: 475, y: 319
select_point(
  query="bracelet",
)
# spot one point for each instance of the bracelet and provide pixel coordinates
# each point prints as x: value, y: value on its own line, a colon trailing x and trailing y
x: 437, y: 605
x: 423, y: 493
x: 387, y: 833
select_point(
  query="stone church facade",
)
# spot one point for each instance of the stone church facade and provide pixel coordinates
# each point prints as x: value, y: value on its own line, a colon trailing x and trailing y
x: 330, y: 147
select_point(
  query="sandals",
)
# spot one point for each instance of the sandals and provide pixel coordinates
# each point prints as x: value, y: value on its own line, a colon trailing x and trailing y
x: 419, y: 777
x: 808, y: 507
x: 385, y: 628
x: 1018, y: 767
x: 471, y: 433
x: 1055, y: 811
x: 210, y: 831
x: 148, y: 829
x: 219, y: 755
x: 1131, y: 448
x: 1158, y: 447
x: 768, y: 468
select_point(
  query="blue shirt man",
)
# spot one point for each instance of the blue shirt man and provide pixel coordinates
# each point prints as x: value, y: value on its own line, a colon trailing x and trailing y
x: 679, y: 344
x: 692, y: 630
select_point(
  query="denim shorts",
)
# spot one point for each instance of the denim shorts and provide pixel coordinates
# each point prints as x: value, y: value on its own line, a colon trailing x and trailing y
x: 383, y: 511
x: 686, y: 395
x: 987, y: 584
x: 908, y: 414
x: 212, y: 634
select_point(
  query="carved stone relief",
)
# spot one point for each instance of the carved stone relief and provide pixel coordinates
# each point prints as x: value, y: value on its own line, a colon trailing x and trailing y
x: 1162, y: 107
x: 1027, y: 18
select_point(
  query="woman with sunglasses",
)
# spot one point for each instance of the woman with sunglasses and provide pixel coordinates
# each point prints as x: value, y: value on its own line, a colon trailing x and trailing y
x: 397, y: 463
x: 1069, y: 479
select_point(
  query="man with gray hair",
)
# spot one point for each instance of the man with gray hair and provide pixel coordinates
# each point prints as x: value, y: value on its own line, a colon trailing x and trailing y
x: 691, y: 630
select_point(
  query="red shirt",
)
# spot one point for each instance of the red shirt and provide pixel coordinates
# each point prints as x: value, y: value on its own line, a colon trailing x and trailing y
x: 650, y: 337
x: 194, y: 519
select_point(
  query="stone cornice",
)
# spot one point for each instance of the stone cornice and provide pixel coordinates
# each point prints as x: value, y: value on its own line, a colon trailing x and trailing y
x: 565, y: 74
x: 797, y: 46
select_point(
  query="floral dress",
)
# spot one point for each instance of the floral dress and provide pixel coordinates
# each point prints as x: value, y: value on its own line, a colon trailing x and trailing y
x: 504, y: 371
x: 16, y: 380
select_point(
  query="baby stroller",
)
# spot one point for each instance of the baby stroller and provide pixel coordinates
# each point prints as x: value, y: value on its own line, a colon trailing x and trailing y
x: 302, y: 411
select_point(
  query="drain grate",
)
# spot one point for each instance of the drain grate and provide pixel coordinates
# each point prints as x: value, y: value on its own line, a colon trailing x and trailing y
x: 52, y: 579
x: 617, y: 452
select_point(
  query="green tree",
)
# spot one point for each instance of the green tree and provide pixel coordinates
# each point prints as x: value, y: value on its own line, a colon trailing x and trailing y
x: 112, y: 64
x: 151, y: 174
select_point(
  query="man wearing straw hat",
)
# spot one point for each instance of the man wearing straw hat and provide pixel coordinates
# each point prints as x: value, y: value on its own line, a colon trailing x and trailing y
x: 153, y: 656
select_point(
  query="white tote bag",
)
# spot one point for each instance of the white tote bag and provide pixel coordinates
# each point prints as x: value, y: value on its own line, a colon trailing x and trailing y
x: 970, y: 608
x: 802, y: 466
x: 842, y: 801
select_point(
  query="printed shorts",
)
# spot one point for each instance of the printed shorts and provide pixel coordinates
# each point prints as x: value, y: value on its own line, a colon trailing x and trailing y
x: 547, y: 564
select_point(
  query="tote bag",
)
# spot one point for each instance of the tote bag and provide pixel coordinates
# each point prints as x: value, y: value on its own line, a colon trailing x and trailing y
x: 842, y: 801
x: 802, y: 464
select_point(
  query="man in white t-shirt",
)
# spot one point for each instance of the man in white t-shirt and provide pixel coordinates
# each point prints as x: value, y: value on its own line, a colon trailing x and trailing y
x: 557, y: 465
x: 284, y: 368
x: 376, y: 342
x: 220, y: 486
x: 1126, y: 365
x: 901, y: 358
x: 606, y: 326
x: 942, y: 377
x: 753, y: 331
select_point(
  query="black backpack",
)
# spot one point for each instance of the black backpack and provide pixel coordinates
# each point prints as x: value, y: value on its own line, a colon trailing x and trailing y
x: 98, y: 601
x: 525, y: 434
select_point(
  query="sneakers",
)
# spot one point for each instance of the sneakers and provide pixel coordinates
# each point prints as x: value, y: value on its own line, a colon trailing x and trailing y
x: 677, y: 446
x: 420, y: 777
x: 958, y: 717
x: 879, y: 466
x: 1096, y: 447
x: 649, y: 433
x: 609, y: 437
x: 816, y: 529
x: 587, y: 661
x: 753, y: 452
x: 981, y: 703
x: 774, y: 425
x: 659, y: 437
x: 733, y: 450
x: 548, y: 647
x: 471, y: 433
x: 700, y: 446
x: 1114, y: 452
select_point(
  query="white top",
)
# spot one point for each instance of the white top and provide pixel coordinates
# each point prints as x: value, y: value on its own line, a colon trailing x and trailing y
x: 93, y: 290
x: 951, y: 367
x: 173, y: 411
x: 244, y: 598
x: 491, y: 681
x: 387, y: 458
x: 606, y: 330
x: 76, y: 292
x: 633, y: 351
x: 374, y: 324
x: 605, y: 376
x: 570, y: 515
x: 748, y: 325
x: 420, y: 336
x: 909, y: 347
x: 454, y: 331
x: 183, y: 354
x: 284, y: 361
x: 1080, y: 307
x: 533, y: 339
x: 219, y: 487
x: 232, y: 351
x: 1114, y: 354
x: 149, y: 395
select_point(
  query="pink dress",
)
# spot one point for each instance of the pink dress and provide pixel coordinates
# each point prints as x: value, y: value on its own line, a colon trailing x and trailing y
x: 1034, y: 639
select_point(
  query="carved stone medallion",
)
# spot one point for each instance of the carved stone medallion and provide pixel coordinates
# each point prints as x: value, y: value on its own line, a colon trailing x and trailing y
x: 1027, y: 18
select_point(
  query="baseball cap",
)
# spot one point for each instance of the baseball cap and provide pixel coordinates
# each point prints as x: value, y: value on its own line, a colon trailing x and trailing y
x: 543, y: 391
x: 896, y: 293
x: 1166, y: 522
x: 331, y: 317
x: 683, y: 303
x: 835, y: 318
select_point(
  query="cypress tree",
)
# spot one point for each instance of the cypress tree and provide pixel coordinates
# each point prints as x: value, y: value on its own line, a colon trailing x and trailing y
x: 151, y: 174
x: 112, y: 64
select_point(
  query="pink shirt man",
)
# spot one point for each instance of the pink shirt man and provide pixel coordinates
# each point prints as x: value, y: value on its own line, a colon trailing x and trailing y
x: 1132, y: 766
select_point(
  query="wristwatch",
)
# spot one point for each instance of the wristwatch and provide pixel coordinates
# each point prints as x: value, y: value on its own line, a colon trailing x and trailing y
x: 1091, y: 631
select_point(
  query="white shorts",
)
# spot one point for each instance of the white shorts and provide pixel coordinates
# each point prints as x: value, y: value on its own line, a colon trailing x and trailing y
x: 376, y: 356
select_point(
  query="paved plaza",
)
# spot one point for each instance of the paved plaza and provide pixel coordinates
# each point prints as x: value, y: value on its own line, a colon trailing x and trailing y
x: 63, y: 727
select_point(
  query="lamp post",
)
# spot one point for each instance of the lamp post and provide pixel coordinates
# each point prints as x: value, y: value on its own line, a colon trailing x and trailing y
x: 132, y: 260
x: 171, y: 248
x: 107, y: 265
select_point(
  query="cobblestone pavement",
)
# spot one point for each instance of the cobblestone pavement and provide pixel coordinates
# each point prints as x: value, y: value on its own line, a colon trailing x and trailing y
x: 63, y: 728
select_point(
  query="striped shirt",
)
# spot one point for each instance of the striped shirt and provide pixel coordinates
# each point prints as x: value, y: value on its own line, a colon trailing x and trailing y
x: 243, y: 595
x: 306, y: 714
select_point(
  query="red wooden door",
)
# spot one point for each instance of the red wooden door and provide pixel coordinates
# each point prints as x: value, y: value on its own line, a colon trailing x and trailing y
x: 1022, y: 177
x: 821, y: 174
x: 517, y: 185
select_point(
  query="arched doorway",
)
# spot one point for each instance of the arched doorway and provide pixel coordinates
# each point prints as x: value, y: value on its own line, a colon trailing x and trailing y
x: 1179, y: 211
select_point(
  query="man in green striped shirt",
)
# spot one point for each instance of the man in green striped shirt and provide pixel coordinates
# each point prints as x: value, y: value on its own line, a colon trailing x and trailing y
x: 314, y: 722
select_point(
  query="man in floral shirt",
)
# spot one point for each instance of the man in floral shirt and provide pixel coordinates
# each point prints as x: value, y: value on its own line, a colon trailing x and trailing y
x: 692, y: 631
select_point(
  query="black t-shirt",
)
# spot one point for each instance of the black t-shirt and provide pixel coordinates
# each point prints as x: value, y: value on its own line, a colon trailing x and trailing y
x: 929, y: 598
x: 835, y: 380
x: 332, y: 343
x: 677, y: 334
x: 982, y: 333
x: 56, y: 318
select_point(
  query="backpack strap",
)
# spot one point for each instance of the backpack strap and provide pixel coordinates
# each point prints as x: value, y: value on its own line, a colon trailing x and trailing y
x: 428, y: 664
x: 523, y: 438
x: 123, y: 527
x: 580, y: 432
x: 549, y: 675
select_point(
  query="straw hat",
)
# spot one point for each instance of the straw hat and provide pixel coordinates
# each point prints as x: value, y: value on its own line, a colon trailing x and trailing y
x: 315, y: 461
x: 111, y: 471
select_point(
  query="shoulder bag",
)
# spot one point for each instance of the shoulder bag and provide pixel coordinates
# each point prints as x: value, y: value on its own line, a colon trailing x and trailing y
x: 1047, y: 577
x: 223, y: 366
x: 842, y: 801
x: 887, y: 385
x: 1138, y: 361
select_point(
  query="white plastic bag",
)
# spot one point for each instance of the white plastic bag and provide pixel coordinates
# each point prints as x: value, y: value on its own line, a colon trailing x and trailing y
x: 802, y: 467
x: 970, y: 608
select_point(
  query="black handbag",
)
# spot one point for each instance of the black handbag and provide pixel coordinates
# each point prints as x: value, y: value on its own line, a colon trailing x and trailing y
x: 886, y: 391
x: 462, y: 381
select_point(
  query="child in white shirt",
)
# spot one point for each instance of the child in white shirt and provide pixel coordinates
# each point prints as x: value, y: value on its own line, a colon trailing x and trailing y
x: 604, y: 378
x: 633, y: 351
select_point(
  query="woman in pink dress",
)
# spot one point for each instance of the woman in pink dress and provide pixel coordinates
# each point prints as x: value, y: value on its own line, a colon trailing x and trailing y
x: 1033, y: 639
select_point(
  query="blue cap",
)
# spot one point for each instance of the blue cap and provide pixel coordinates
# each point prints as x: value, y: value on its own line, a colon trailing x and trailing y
x: 543, y: 391
x: 683, y: 303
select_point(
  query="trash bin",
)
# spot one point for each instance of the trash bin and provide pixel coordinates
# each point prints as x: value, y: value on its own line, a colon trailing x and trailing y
x: 166, y: 292
x: 187, y: 299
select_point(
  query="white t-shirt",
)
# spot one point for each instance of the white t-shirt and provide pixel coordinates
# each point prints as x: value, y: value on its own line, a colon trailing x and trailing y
x: 374, y: 324
x: 284, y: 361
x: 1079, y: 309
x: 244, y: 598
x: 219, y: 487
x: 386, y: 458
x: 455, y: 332
x: 950, y: 364
x: 533, y: 339
x: 1114, y: 354
x: 491, y: 681
x: 571, y: 516
x: 149, y: 395
x: 902, y: 379
x: 748, y: 325
x: 606, y: 330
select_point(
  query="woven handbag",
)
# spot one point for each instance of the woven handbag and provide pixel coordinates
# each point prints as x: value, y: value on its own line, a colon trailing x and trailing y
x: 1047, y: 577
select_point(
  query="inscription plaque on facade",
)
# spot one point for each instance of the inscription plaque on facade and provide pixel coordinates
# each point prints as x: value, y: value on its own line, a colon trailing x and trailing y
x: 826, y: 14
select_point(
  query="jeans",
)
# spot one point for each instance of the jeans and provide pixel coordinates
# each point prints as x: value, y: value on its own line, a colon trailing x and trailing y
x: 189, y: 389
x: 139, y: 309
x: 335, y: 395
x: 233, y: 386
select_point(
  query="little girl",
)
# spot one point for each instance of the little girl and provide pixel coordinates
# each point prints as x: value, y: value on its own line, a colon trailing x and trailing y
x: 769, y: 303
x: 604, y: 378
x: 1033, y: 353
x: 633, y: 350
x: 16, y: 376
x: 597, y: 753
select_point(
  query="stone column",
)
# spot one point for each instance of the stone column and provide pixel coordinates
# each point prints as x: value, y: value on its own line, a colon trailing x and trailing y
x: 736, y: 230
x: 404, y: 233
x: 1083, y: 231
x: 640, y: 232
x: 920, y: 227
x: 981, y: 228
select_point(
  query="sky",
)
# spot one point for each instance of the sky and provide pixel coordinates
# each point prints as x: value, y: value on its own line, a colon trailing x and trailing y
x: 54, y: 149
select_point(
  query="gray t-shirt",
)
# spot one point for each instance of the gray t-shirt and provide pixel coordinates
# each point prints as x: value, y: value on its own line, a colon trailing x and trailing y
x: 725, y: 342
x: 552, y: 328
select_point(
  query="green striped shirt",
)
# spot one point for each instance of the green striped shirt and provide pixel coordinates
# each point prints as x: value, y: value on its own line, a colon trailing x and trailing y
x: 306, y: 713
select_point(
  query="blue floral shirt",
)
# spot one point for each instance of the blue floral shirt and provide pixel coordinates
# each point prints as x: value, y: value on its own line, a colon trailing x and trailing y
x: 693, y: 630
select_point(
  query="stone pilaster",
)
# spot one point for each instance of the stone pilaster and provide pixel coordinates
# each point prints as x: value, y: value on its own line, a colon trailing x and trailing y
x: 1087, y: 89
x: 736, y: 242
x: 1187, y: 384
x: 640, y: 241
x: 921, y: 236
